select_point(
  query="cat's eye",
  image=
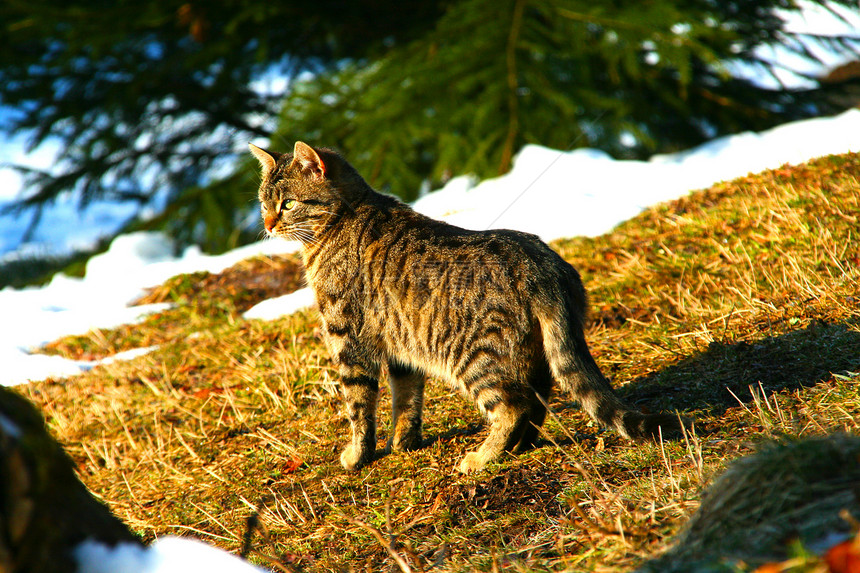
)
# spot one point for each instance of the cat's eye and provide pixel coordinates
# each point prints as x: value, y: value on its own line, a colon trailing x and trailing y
x: 288, y: 204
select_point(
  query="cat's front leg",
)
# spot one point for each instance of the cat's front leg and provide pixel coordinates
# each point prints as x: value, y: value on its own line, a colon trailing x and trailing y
x: 359, y: 378
x: 360, y: 393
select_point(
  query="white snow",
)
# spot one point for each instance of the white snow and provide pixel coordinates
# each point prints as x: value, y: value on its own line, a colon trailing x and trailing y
x: 165, y: 555
x: 32, y: 317
x: 282, y: 305
x: 591, y: 193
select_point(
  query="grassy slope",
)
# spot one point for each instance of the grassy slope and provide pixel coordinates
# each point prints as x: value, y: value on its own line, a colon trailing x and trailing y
x: 738, y: 305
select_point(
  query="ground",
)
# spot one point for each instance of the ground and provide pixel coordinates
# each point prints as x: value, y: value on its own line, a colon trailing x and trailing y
x: 737, y: 306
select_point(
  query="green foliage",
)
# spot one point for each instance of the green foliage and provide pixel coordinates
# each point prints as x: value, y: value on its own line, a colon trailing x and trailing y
x: 631, y: 78
x: 148, y: 100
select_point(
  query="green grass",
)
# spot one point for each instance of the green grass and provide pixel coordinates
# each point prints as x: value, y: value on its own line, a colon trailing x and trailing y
x: 738, y: 306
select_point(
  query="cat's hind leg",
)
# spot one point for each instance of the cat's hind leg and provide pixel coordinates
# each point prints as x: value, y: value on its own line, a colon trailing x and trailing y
x: 541, y: 385
x: 536, y: 416
x: 508, y: 421
x: 407, y: 402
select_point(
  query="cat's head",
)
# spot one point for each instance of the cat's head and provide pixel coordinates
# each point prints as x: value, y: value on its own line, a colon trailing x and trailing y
x: 303, y: 192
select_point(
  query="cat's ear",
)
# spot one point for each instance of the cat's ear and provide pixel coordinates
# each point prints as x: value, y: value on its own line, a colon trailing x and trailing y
x: 309, y: 160
x: 266, y: 158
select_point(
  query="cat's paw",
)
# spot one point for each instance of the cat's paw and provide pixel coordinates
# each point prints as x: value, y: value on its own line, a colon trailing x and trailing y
x: 352, y: 458
x: 472, y: 462
x: 405, y: 442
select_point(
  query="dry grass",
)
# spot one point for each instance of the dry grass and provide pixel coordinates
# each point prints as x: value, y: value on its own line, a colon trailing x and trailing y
x: 738, y: 305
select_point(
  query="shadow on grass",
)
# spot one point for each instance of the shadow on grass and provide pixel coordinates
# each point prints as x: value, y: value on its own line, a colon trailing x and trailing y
x: 797, y: 359
x: 707, y: 381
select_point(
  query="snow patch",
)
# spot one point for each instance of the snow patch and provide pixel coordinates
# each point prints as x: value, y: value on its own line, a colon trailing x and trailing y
x: 165, y: 555
x: 273, y: 308
x: 35, y: 316
x: 556, y: 194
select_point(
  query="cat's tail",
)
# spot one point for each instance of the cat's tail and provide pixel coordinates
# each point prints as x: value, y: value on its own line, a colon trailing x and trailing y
x: 577, y: 373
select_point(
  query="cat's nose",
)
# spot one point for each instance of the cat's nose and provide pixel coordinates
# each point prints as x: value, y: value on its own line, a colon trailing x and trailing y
x: 269, y: 222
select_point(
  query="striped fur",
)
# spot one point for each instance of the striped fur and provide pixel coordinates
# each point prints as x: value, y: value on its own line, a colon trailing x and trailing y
x: 497, y: 313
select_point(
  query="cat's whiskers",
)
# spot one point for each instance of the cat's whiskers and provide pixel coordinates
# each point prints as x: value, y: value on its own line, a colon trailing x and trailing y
x: 303, y: 233
x: 312, y: 229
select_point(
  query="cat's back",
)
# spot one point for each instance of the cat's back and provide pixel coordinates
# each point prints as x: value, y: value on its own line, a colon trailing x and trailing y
x: 415, y: 254
x: 406, y: 229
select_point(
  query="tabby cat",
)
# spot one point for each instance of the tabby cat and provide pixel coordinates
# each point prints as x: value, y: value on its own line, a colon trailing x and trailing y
x: 497, y: 313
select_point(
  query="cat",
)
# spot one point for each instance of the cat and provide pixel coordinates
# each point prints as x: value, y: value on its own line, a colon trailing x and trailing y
x: 497, y: 313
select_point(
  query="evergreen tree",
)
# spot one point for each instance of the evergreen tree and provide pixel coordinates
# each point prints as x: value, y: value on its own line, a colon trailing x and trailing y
x: 151, y: 101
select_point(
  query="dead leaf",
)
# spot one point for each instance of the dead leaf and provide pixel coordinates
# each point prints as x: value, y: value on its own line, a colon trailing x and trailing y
x: 844, y: 557
x: 292, y: 466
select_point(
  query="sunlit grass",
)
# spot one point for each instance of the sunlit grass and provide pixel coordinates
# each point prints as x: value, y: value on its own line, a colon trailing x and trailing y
x: 738, y: 306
